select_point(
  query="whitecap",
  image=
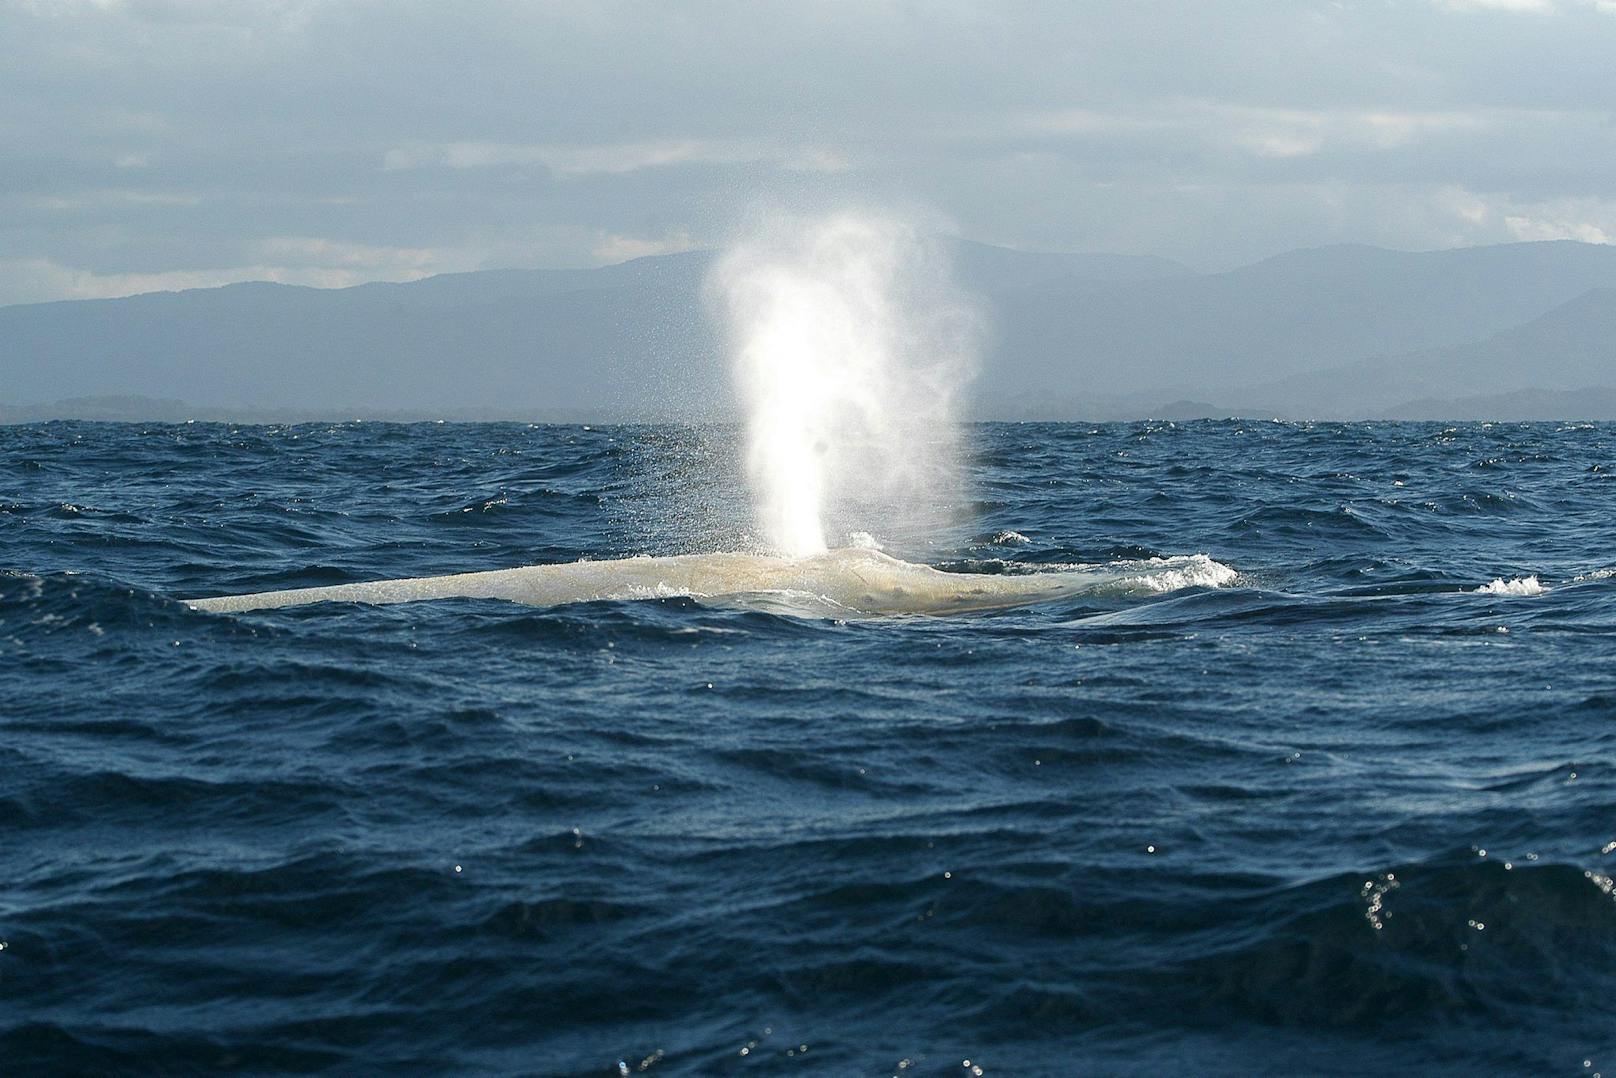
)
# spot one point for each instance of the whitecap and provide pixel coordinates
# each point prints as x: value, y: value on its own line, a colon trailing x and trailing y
x: 1174, y: 574
x: 1521, y: 586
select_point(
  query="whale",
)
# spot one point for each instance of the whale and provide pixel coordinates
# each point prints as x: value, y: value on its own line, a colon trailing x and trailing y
x: 849, y: 581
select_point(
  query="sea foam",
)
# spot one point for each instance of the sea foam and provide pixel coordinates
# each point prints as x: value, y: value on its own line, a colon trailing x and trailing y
x: 1519, y: 586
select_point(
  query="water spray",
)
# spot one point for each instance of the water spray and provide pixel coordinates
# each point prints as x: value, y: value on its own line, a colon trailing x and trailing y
x: 850, y: 345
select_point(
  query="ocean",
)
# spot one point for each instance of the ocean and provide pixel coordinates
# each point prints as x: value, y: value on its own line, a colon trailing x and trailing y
x: 1318, y: 777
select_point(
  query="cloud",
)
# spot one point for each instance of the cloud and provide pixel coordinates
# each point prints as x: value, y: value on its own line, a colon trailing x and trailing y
x: 311, y: 251
x: 1586, y: 220
x: 298, y: 260
x: 111, y: 198
x: 1276, y: 132
x: 1529, y: 7
x: 1538, y: 7
x: 1496, y: 217
x: 612, y: 158
x: 618, y: 248
x: 39, y: 280
x: 237, y: 13
x: 185, y: 137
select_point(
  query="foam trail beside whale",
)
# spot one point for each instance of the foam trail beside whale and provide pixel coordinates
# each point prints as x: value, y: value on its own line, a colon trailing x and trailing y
x: 850, y: 581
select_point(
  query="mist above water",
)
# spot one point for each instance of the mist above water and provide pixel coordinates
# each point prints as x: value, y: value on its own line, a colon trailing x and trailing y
x: 850, y: 345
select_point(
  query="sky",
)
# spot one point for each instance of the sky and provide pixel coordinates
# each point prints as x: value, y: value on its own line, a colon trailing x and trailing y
x: 160, y: 144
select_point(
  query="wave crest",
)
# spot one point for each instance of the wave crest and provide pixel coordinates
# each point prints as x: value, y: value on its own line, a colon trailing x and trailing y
x: 1521, y: 586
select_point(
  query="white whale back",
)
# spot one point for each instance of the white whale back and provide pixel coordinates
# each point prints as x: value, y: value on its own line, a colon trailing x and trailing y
x: 856, y: 581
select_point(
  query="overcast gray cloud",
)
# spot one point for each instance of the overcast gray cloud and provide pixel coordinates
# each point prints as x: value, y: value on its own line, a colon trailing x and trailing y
x: 168, y: 143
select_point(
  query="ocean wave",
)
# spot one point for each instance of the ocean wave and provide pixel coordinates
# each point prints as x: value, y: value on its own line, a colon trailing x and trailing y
x: 1342, y: 522
x: 1139, y: 828
x: 1176, y: 574
x: 1448, y: 939
x: 58, y: 604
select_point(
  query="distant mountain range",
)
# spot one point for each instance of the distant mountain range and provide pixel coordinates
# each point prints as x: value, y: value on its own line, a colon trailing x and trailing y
x: 1504, y: 332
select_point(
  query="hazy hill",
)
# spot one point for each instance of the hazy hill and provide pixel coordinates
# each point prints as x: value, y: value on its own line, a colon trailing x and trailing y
x: 1307, y: 333
x: 1553, y: 357
x: 1215, y: 336
x: 1570, y: 346
x: 1595, y: 402
x: 617, y: 341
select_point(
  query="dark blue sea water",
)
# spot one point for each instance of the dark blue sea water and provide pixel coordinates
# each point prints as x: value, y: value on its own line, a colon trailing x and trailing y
x: 1352, y: 813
